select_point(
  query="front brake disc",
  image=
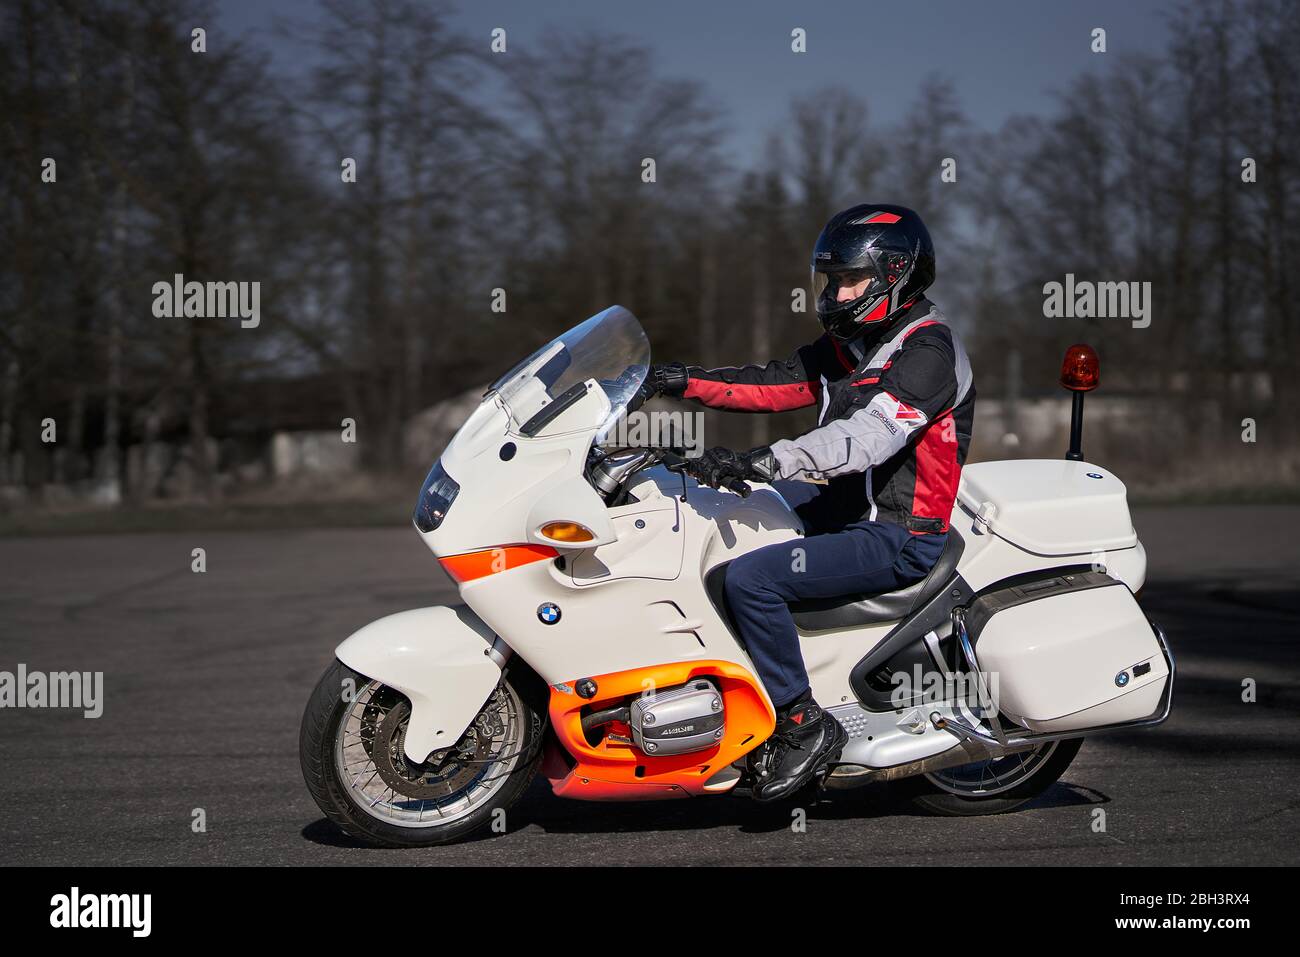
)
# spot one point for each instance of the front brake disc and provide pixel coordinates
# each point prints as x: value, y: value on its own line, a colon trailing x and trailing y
x: 442, y: 774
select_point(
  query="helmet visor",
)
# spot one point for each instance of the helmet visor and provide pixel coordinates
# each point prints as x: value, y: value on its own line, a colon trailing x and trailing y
x: 846, y: 285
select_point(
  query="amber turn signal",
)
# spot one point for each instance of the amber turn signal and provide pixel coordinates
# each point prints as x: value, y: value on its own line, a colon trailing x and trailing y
x: 566, y: 532
x: 1080, y: 372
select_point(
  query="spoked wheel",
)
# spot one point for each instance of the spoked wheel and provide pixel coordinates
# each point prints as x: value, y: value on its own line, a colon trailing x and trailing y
x: 994, y: 786
x: 355, y: 765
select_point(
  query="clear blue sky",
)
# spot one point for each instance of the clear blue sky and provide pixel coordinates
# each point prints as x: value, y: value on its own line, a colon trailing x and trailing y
x: 1005, y: 56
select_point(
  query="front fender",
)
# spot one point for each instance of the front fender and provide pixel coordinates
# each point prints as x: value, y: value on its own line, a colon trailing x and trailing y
x: 445, y: 660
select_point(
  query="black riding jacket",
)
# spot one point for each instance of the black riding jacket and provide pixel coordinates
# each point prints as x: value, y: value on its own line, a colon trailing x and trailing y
x: 894, y: 424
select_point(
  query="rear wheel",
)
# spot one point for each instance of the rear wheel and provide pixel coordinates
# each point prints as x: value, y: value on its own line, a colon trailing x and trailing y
x: 994, y: 786
x: 354, y: 763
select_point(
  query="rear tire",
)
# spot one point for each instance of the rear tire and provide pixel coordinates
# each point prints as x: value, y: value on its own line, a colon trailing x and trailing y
x: 456, y: 793
x: 937, y: 793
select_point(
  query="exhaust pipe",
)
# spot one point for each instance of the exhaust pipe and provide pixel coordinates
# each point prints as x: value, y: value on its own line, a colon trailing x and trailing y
x: 845, y: 777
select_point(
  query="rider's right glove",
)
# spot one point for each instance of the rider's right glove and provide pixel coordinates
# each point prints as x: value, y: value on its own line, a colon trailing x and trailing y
x: 669, y: 380
x: 715, y: 466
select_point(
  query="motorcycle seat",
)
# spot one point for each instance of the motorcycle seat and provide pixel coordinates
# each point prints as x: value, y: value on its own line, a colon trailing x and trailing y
x: 852, y: 611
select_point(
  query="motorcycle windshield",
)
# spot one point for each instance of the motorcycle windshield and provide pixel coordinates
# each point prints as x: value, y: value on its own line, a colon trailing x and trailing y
x: 610, y: 348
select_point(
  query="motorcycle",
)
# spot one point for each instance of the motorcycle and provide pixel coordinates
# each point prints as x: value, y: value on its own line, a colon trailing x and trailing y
x: 594, y: 643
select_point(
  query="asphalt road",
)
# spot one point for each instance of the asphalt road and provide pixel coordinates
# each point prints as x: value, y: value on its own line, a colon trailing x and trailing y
x: 206, y: 676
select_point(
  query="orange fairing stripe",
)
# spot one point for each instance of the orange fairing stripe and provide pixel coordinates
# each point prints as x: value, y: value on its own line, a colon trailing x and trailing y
x: 471, y: 565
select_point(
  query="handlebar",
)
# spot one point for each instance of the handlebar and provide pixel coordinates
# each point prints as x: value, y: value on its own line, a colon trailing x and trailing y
x: 672, y: 459
x: 739, y: 486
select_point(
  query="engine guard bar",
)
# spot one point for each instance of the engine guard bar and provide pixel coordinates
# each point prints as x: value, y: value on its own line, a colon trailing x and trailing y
x: 999, y: 740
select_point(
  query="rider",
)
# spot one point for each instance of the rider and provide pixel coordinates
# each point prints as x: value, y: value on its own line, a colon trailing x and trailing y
x: 879, y: 471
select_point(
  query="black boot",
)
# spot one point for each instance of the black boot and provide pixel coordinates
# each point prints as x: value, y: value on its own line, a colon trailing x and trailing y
x: 806, y: 739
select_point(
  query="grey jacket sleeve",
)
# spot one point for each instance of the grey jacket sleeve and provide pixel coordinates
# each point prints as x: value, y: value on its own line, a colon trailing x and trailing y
x: 872, y: 435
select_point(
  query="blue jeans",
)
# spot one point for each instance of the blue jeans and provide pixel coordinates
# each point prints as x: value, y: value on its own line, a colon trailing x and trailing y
x: 860, y: 557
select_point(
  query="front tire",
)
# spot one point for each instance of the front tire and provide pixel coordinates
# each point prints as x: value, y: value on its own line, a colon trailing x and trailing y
x: 350, y: 746
x: 992, y: 787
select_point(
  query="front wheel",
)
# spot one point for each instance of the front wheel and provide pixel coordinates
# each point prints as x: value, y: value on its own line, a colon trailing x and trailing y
x: 995, y: 786
x: 351, y: 749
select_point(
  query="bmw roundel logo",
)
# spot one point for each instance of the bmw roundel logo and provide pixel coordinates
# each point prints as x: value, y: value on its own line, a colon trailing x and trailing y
x: 1095, y: 475
x: 548, y: 613
x: 1121, y: 679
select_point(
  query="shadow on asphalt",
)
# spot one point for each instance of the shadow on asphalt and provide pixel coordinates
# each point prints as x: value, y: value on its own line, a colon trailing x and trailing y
x: 324, y: 833
x: 558, y: 816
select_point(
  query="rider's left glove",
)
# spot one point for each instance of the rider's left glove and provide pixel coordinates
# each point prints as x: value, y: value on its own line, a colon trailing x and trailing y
x: 670, y: 380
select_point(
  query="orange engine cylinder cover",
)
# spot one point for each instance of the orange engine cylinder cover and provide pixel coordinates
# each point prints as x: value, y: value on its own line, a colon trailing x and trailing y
x: 613, y: 770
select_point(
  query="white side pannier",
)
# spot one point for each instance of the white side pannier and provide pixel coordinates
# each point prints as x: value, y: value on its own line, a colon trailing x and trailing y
x: 1070, y: 652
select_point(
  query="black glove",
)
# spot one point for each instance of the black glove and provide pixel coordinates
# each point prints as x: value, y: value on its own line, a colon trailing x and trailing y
x: 716, y: 466
x: 669, y: 380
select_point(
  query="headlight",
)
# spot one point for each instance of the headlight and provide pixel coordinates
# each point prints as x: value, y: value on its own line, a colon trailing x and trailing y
x: 439, y: 491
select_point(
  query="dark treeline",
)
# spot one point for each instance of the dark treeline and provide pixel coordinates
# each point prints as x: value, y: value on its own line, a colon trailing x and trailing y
x: 524, y: 172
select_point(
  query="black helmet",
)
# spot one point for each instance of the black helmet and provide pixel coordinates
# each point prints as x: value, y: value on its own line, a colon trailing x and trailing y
x: 887, y: 246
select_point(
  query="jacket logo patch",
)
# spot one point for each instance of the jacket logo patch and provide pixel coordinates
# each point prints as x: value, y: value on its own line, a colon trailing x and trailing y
x: 907, y: 413
x: 893, y: 429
